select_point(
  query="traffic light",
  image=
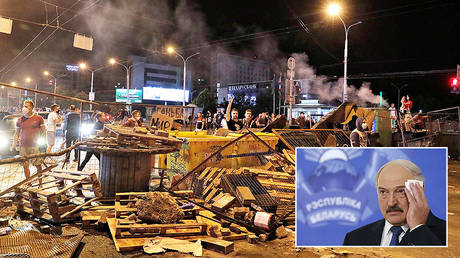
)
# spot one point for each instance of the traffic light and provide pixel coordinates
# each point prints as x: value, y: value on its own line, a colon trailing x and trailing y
x: 454, y: 82
x: 454, y: 85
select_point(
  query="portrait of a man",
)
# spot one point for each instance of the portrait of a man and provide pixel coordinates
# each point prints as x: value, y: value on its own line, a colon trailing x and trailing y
x: 407, y: 218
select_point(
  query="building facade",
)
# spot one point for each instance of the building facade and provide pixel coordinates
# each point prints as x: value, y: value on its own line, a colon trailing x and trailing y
x: 160, y: 83
x: 229, y: 70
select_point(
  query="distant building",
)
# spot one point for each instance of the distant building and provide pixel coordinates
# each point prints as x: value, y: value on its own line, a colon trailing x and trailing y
x: 160, y: 83
x: 230, y: 70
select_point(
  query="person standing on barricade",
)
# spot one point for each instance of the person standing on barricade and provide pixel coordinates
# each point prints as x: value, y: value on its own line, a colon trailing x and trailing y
x: 28, y: 128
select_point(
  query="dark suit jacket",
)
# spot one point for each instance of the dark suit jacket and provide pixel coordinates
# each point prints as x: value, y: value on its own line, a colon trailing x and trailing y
x: 432, y: 233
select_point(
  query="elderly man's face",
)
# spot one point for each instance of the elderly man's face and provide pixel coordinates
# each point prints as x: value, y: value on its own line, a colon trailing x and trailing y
x: 392, y: 198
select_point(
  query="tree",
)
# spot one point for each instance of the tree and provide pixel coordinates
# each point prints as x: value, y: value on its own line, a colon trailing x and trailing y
x: 207, y: 100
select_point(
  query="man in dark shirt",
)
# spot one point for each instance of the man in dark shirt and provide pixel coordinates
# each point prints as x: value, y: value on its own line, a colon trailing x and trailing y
x: 70, y: 130
x: 301, y: 121
x: 233, y: 123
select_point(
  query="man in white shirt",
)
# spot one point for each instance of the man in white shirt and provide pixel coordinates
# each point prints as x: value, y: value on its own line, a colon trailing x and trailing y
x: 407, y: 217
x: 53, y: 119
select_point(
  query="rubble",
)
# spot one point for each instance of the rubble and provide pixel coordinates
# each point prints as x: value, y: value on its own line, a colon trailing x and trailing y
x: 158, y: 207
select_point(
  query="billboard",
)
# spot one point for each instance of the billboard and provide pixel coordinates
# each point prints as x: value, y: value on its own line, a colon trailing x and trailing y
x: 336, y: 191
x: 135, y: 96
x: 165, y: 94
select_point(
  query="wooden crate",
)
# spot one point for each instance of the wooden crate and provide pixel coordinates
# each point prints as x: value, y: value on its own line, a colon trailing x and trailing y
x: 58, y: 194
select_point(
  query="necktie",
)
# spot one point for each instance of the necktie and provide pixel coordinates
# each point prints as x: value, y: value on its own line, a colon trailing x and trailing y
x: 396, y: 230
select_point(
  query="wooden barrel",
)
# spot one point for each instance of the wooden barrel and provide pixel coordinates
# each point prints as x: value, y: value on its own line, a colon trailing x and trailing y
x: 124, y: 172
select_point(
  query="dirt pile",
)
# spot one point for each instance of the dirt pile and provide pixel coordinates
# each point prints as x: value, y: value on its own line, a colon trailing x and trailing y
x: 157, y: 207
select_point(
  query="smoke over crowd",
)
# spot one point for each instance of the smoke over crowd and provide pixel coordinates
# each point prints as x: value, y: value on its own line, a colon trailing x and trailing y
x: 184, y: 25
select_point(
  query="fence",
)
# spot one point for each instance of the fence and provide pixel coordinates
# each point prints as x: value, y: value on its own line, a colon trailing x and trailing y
x: 444, y: 120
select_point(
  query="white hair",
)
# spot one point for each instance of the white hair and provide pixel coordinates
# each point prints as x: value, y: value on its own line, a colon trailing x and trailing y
x: 409, y: 166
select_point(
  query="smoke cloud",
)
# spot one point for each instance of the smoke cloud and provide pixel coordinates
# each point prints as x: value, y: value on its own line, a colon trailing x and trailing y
x: 130, y: 24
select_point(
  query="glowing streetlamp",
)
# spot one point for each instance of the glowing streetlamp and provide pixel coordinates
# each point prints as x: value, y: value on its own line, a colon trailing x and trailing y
x: 13, y: 83
x: 29, y: 80
x: 171, y: 50
x: 334, y: 10
x: 46, y: 73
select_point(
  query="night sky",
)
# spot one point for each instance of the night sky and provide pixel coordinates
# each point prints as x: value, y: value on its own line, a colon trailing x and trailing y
x: 395, y: 36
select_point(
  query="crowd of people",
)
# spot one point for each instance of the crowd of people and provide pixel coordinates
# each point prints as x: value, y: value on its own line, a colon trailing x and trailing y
x: 230, y: 120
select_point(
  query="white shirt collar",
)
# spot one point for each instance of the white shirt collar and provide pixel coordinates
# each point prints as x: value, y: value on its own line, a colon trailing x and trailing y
x: 387, y: 234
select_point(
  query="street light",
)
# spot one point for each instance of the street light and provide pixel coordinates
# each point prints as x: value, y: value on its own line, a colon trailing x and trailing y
x: 29, y: 80
x: 91, y: 96
x: 172, y: 50
x: 334, y: 10
x: 113, y: 61
x: 46, y: 73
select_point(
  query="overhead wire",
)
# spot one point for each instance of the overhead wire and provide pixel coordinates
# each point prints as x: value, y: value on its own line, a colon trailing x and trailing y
x: 36, y: 36
x: 51, y: 34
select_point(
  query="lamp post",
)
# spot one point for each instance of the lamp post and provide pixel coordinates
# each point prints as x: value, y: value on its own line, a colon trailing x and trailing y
x: 84, y: 66
x: 29, y: 80
x: 113, y: 61
x: 46, y: 73
x: 334, y: 10
x: 172, y: 50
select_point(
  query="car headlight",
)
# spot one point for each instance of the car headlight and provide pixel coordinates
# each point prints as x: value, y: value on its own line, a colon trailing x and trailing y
x: 86, y: 129
x: 4, y: 142
x: 41, y: 141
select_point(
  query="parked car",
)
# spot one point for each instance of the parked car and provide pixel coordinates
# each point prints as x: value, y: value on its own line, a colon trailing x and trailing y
x: 7, y: 129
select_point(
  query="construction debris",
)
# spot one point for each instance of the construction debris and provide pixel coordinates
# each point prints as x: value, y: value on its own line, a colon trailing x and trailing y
x: 57, y: 195
x: 158, y: 207
x: 159, y: 244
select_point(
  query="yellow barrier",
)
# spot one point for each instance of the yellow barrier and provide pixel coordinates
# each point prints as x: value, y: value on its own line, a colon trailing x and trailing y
x: 199, y: 146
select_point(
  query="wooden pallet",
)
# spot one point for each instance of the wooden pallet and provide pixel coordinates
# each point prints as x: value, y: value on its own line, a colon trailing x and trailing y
x: 127, y: 229
x: 122, y: 200
x: 58, y: 194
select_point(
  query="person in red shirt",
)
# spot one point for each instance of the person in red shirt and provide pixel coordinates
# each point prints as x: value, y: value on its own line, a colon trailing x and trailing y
x: 28, y: 128
x: 136, y: 120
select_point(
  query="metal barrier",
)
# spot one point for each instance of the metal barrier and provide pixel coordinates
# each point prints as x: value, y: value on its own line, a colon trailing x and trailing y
x: 444, y: 120
x: 293, y: 138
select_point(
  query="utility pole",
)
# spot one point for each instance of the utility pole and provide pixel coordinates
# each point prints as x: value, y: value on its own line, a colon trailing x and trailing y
x: 290, y: 74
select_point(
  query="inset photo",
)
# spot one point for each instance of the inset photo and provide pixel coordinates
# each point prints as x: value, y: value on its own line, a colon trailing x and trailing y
x: 371, y: 197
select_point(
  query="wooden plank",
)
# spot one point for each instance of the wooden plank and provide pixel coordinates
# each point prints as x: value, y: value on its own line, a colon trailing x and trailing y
x: 245, y: 195
x: 223, y: 203
x: 211, y: 194
x: 64, y: 176
x: 218, y: 245
x: 204, y: 173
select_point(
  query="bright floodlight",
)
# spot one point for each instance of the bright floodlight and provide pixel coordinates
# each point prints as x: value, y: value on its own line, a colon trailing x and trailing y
x: 82, y: 65
x: 333, y: 9
x: 112, y: 61
x: 28, y: 79
x: 170, y: 50
x: 13, y: 83
x: 46, y: 73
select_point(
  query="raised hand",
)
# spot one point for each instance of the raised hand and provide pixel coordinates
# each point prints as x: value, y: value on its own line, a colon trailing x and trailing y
x: 418, y: 206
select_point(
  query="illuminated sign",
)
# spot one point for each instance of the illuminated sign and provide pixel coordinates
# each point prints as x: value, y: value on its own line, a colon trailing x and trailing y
x: 165, y: 94
x: 242, y: 87
x: 135, y: 96
x: 72, y: 68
